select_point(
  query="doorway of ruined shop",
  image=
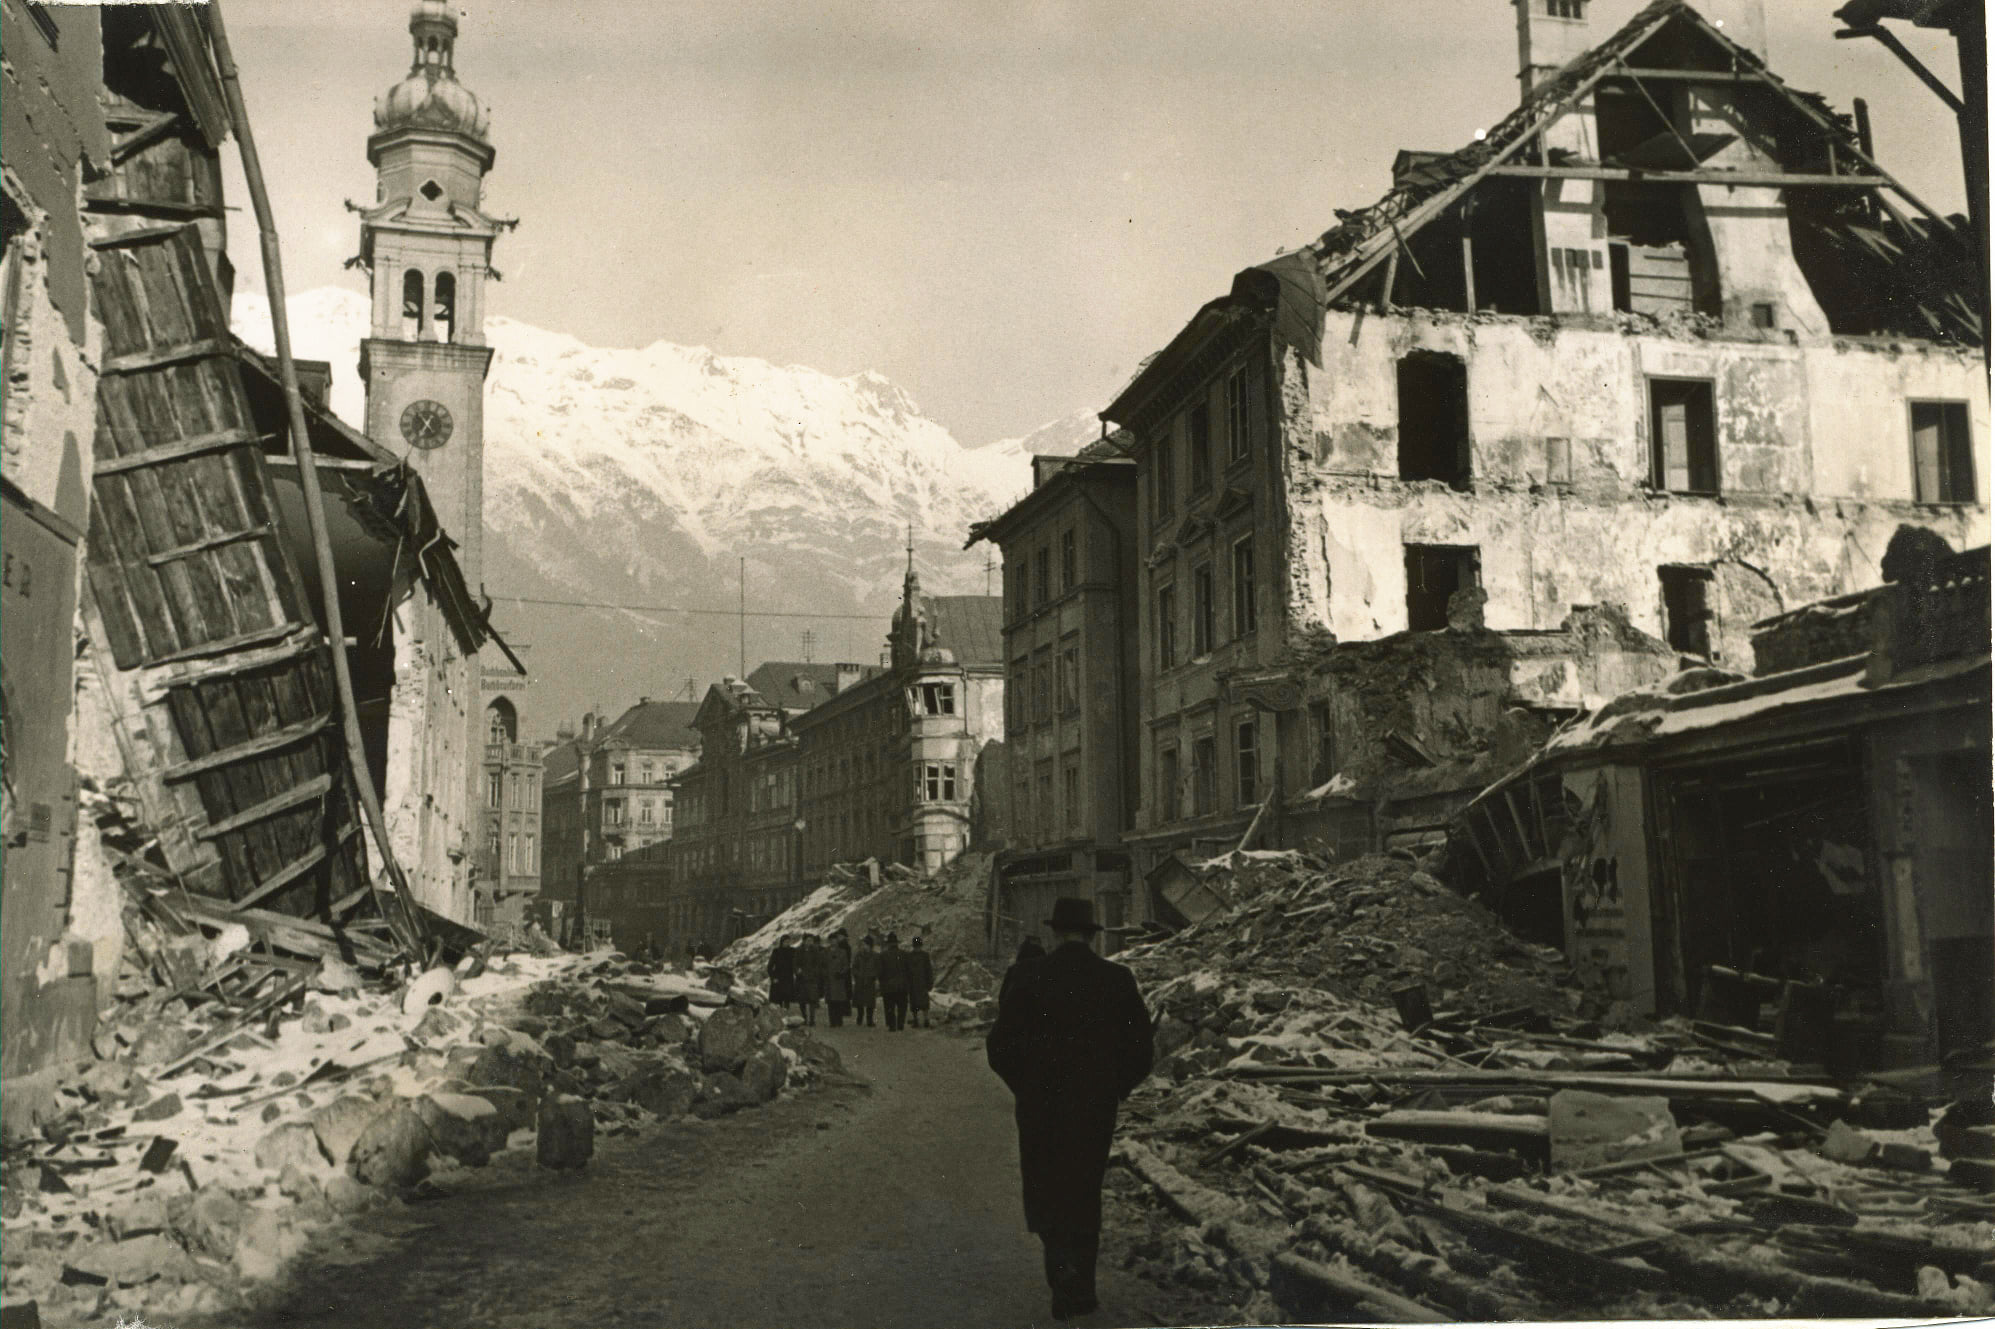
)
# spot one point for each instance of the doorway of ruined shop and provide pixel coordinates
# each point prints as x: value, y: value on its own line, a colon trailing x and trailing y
x: 1771, y: 893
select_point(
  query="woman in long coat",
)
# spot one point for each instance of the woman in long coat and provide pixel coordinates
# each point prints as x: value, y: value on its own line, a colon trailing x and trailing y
x: 838, y: 978
x: 782, y: 973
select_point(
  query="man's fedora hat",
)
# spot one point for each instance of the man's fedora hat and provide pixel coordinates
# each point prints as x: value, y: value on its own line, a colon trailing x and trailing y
x: 1072, y: 914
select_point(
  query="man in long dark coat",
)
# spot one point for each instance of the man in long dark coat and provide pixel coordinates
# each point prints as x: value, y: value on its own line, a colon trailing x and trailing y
x: 1072, y: 1039
x: 893, y: 982
x: 920, y: 979
x: 865, y: 981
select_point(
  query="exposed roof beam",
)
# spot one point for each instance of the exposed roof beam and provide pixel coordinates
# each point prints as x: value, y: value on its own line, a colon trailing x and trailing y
x: 1777, y: 179
x: 1685, y: 75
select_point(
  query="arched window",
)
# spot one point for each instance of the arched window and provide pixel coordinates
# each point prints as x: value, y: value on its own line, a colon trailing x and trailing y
x: 445, y: 320
x: 501, y: 722
x: 412, y: 305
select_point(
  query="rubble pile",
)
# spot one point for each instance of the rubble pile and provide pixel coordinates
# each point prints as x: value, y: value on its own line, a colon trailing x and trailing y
x: 1372, y: 1103
x: 183, y: 1167
x: 947, y: 910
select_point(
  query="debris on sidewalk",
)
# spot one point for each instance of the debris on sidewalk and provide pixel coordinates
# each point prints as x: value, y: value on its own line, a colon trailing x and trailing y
x: 1371, y: 1101
x: 260, y: 1076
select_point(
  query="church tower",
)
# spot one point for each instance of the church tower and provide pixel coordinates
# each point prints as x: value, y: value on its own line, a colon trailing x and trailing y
x: 427, y: 244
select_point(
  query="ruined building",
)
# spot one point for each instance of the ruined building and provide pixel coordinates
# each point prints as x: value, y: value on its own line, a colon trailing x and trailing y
x: 1665, y: 340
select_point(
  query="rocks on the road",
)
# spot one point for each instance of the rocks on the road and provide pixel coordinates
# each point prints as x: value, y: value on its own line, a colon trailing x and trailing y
x: 764, y: 1073
x: 730, y: 1035
x: 393, y: 1151
x: 567, y: 1137
x: 463, y: 1127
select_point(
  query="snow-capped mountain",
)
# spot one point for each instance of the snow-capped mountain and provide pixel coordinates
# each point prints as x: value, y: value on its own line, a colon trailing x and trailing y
x: 639, y: 477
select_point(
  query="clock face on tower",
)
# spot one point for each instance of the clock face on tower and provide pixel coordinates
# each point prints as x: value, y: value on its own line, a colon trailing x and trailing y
x: 426, y: 424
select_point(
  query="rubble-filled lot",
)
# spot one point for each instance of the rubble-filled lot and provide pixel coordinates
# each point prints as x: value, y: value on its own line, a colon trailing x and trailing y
x: 1372, y: 1102
x: 186, y: 1166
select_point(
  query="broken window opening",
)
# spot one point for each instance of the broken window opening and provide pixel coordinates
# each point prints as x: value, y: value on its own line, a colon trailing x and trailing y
x: 1687, y: 609
x: 1433, y: 574
x: 412, y: 305
x: 1942, y: 452
x: 1434, y: 418
x: 1167, y: 627
x: 1202, y: 622
x: 445, y: 320
x: 1244, y: 620
x: 1238, y: 421
x: 1168, y: 796
x: 1247, y: 764
x: 1323, y: 744
x: 1683, y: 436
x: 1204, y: 776
x: 1164, y: 479
x: 1198, y: 429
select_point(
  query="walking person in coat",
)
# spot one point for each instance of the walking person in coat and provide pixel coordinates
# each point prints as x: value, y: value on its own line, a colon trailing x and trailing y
x: 1029, y: 949
x: 920, y: 978
x: 810, y: 978
x: 838, y: 978
x: 865, y: 981
x: 1072, y: 1039
x: 782, y: 973
x: 893, y: 983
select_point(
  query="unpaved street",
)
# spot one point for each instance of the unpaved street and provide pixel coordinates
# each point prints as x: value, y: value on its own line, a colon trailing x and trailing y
x: 889, y: 1202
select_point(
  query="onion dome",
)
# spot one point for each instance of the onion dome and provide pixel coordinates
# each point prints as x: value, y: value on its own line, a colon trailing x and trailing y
x: 431, y: 97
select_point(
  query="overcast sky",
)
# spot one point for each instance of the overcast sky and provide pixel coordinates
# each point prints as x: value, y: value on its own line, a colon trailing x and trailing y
x: 1001, y: 206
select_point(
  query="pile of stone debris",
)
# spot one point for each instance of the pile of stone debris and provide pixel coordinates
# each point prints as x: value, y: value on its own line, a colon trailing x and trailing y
x: 947, y: 909
x: 1375, y: 1104
x: 184, y: 1167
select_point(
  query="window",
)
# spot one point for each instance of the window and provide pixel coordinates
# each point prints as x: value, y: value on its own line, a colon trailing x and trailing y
x: 495, y: 790
x: 1048, y: 814
x: 1201, y: 611
x: 1434, y: 573
x: 1168, y: 791
x: 1017, y: 691
x: 1167, y: 628
x: 1574, y: 9
x: 531, y: 863
x: 492, y: 846
x: 1070, y: 678
x: 1683, y: 436
x: 644, y: 772
x: 518, y: 800
x: 412, y: 305
x: 1247, y: 761
x: 938, y: 698
x: 1198, y: 429
x: 1042, y: 684
x: 1204, y: 776
x: 1244, y: 620
x: 1687, y: 609
x: 1021, y: 588
x: 1322, y: 744
x: 939, y: 782
x: 445, y: 321
x: 513, y: 853
x: 1434, y: 418
x: 1237, y: 419
x: 1042, y: 577
x: 496, y: 728
x: 1021, y: 804
x: 644, y: 811
x: 1069, y: 561
x: 613, y: 813
x: 1070, y: 790
x: 616, y: 772
x: 1942, y: 452
x: 1165, y: 483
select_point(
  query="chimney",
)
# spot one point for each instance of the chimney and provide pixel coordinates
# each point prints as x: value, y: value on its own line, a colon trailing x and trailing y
x: 1550, y: 35
x: 644, y: 701
x: 849, y: 675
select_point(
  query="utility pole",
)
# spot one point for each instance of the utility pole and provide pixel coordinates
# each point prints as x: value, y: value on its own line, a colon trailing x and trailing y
x: 810, y: 640
x: 743, y: 620
x: 989, y: 564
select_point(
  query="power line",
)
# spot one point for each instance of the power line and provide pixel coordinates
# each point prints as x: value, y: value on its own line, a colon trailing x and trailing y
x: 675, y: 609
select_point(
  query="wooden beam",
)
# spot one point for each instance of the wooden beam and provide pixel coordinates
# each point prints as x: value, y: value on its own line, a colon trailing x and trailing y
x: 1468, y: 268
x: 1742, y: 179
x: 298, y: 795
x: 256, y: 747
x: 1685, y: 75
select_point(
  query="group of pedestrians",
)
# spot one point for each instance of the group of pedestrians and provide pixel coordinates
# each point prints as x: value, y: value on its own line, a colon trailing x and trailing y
x: 806, y: 969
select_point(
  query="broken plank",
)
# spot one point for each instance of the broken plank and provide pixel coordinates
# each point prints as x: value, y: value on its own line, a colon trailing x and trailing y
x: 1469, y: 1298
x: 1529, y: 1134
x: 1308, y: 1290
